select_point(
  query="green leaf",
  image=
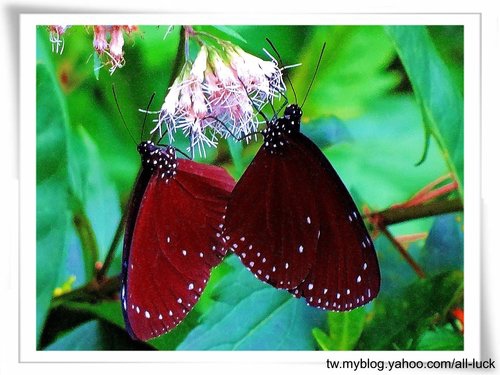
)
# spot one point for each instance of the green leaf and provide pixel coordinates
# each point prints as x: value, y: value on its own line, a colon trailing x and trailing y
x: 52, y: 211
x: 440, y: 101
x: 344, y: 330
x: 403, y: 316
x: 441, y: 338
x: 449, y: 40
x: 353, y: 71
x: 97, y: 65
x: 273, y: 319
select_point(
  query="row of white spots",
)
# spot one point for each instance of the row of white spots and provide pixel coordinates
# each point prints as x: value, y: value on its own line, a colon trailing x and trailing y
x: 335, y: 305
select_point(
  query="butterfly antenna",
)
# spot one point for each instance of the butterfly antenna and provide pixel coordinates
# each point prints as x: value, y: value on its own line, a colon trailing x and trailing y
x: 282, y: 64
x: 146, y: 112
x: 190, y: 157
x: 121, y: 115
x: 315, y: 72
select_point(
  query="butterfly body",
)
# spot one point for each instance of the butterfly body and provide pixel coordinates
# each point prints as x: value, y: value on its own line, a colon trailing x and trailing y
x: 172, y: 239
x: 293, y: 223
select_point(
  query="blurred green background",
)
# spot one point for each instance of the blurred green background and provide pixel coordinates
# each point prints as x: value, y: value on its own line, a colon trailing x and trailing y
x: 384, y: 98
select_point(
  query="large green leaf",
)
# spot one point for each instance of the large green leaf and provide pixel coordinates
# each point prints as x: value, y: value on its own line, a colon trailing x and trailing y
x: 439, y: 98
x: 52, y: 211
x: 250, y: 315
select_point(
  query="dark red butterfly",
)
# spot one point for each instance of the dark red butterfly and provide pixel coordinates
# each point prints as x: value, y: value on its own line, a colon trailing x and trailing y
x: 172, y: 239
x: 293, y: 223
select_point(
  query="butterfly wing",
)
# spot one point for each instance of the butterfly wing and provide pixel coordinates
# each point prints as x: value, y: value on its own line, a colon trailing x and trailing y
x: 292, y: 209
x: 172, y: 242
x: 345, y: 273
x: 271, y: 219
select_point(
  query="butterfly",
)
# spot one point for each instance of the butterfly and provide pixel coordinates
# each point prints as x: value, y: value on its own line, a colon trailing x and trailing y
x: 172, y: 239
x: 294, y: 225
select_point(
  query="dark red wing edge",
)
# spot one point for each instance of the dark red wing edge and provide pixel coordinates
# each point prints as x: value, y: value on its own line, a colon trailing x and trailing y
x: 316, y: 156
x: 140, y: 186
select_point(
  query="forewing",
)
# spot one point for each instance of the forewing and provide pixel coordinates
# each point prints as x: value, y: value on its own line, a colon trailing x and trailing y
x: 173, y: 247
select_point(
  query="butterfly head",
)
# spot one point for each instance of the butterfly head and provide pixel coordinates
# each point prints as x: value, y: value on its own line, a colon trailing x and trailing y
x: 158, y: 159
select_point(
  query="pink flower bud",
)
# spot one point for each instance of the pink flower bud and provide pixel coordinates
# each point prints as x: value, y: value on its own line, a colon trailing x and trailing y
x: 116, y: 44
x: 100, y: 42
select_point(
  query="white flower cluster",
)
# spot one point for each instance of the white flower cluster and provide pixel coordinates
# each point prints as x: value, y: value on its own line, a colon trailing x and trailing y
x: 218, y: 95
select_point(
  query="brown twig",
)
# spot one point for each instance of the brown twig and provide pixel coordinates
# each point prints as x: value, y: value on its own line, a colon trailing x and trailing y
x: 396, y: 215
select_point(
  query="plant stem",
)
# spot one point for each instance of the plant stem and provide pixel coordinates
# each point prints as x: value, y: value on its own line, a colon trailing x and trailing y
x: 90, y: 292
x: 112, y: 249
x: 396, y: 215
x: 88, y: 241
